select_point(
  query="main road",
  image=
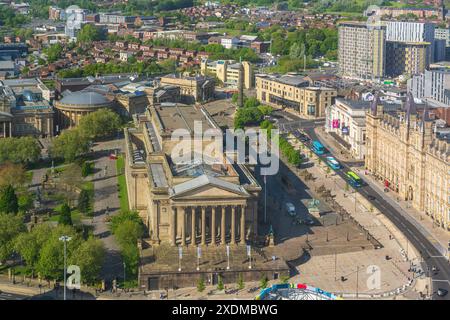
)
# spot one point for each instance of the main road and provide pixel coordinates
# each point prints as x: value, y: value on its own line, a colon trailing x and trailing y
x: 431, y: 256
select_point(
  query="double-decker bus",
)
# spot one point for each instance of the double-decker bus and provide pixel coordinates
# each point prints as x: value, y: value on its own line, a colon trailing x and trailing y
x: 317, y: 147
x: 333, y: 163
x: 354, y: 180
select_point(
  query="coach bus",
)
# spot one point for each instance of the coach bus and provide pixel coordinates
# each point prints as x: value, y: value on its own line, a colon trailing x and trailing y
x: 354, y: 180
x: 317, y: 147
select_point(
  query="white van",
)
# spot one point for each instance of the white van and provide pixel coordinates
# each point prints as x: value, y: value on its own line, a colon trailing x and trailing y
x: 290, y: 209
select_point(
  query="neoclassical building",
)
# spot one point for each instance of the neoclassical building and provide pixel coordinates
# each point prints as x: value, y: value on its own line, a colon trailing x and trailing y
x: 404, y: 152
x: 74, y: 105
x: 196, y: 202
x: 25, y: 109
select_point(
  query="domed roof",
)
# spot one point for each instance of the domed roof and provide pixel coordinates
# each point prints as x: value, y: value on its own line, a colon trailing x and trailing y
x: 73, y: 7
x: 85, y: 98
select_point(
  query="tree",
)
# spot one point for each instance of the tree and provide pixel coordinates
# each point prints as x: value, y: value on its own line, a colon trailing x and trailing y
x: 240, y: 283
x: 88, y: 33
x: 51, y: 258
x: 263, y: 282
x: 85, y: 169
x: 99, y: 124
x: 29, y: 244
x: 8, y: 200
x: 65, y: 217
x: 201, y: 284
x: 89, y: 257
x: 19, y: 150
x: 84, y: 201
x: 69, y: 145
x: 10, y: 227
x: 53, y: 52
x: 12, y: 174
x: 128, y: 228
x: 220, y: 283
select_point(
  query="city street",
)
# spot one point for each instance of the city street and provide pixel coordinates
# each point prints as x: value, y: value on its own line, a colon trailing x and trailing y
x: 430, y: 254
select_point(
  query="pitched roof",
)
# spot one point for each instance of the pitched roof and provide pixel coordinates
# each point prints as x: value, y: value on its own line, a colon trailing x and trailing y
x: 205, y: 180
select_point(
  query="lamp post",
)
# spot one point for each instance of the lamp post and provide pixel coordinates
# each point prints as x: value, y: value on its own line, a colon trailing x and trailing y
x: 65, y: 239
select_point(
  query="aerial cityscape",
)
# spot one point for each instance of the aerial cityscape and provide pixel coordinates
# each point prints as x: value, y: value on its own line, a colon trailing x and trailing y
x: 237, y: 150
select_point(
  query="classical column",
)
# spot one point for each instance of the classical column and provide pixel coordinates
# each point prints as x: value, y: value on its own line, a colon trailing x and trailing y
x: 222, y: 227
x: 213, y: 225
x: 183, y: 225
x: 155, y: 221
x: 233, y: 224
x: 203, y: 225
x: 193, y: 235
x: 173, y: 230
x: 243, y: 224
x: 10, y: 129
x: 4, y: 129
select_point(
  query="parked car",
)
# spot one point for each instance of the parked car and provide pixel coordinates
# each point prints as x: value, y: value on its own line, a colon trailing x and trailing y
x: 290, y: 208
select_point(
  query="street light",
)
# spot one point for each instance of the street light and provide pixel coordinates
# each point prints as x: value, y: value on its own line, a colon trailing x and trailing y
x: 65, y: 239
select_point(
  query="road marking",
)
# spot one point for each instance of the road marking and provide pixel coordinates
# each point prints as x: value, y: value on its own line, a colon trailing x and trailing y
x: 439, y: 280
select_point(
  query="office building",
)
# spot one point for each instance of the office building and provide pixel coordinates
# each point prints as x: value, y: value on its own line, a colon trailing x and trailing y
x: 294, y: 92
x: 228, y: 72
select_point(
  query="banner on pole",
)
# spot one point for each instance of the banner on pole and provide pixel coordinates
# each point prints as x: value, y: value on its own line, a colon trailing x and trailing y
x: 199, y: 252
x: 248, y: 250
x: 180, y: 252
x: 228, y: 250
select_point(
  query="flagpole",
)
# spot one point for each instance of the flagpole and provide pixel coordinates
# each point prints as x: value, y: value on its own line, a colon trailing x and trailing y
x: 228, y: 257
x: 265, y: 199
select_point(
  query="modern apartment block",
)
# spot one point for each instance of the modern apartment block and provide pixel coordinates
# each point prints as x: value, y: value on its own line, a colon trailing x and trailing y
x: 406, y: 58
x: 410, y: 47
x: 432, y: 86
x: 361, y: 51
x: 294, y: 92
x: 406, y: 31
x: 443, y: 34
x: 228, y: 71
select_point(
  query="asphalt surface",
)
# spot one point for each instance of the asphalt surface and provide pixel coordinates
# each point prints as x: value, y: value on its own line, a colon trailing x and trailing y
x: 10, y: 296
x: 431, y: 256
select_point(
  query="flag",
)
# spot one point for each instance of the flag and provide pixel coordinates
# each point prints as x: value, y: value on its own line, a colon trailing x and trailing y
x: 199, y: 252
x: 228, y: 250
x: 180, y: 252
x: 248, y: 250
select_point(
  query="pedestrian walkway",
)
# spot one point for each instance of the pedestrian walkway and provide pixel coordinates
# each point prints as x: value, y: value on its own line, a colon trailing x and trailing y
x: 106, y: 204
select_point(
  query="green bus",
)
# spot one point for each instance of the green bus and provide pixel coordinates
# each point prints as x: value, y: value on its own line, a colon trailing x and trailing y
x: 354, y: 180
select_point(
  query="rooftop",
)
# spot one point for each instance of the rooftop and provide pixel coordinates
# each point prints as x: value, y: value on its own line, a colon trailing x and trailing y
x: 179, y: 116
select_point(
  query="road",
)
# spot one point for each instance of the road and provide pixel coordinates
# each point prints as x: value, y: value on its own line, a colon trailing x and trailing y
x: 430, y: 254
x: 11, y: 296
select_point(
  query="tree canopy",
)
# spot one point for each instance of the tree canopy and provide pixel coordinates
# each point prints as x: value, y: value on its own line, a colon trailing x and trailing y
x: 69, y: 145
x: 9, y: 202
x: 100, y: 124
x: 19, y: 150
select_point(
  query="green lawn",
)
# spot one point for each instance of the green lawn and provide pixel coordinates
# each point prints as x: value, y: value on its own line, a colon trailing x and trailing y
x: 123, y: 195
